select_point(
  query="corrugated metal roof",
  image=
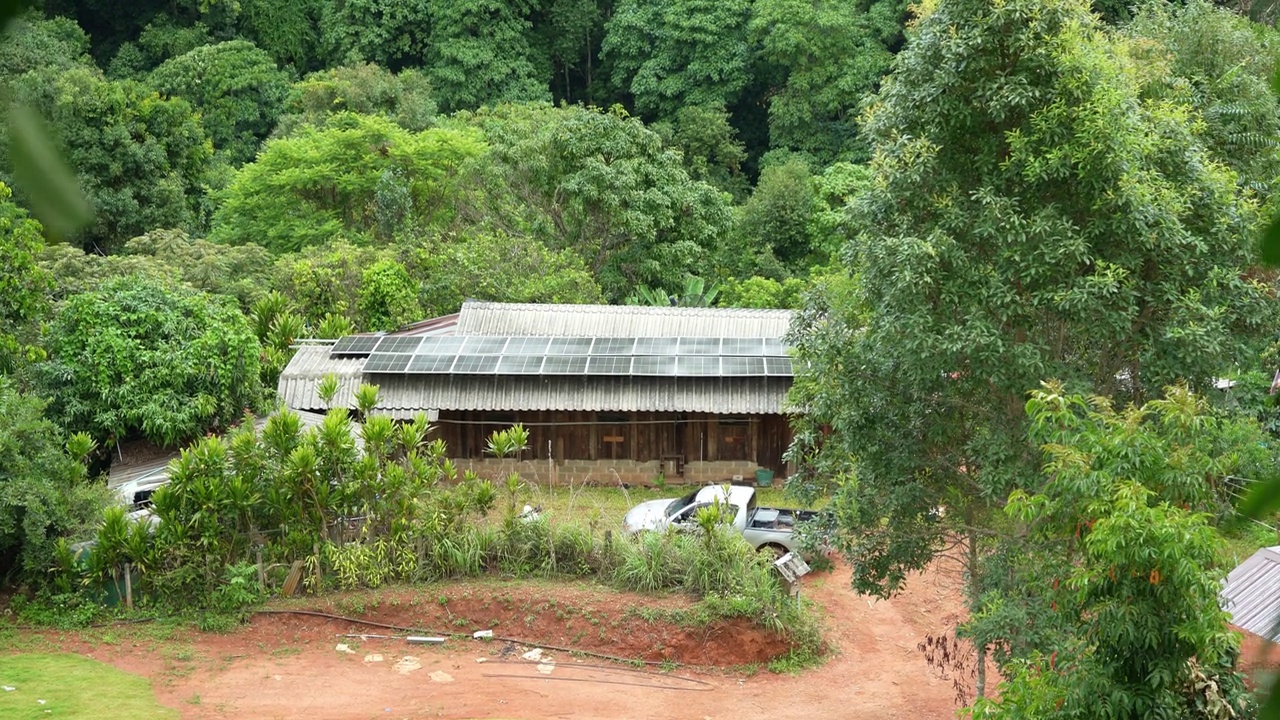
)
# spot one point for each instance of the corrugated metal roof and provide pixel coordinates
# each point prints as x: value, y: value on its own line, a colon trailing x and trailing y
x: 1252, y: 594
x: 489, y: 318
x: 443, y: 325
x: 299, y: 381
x: 402, y: 396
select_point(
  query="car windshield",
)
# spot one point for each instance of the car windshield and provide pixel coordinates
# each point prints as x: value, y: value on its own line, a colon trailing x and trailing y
x: 679, y: 503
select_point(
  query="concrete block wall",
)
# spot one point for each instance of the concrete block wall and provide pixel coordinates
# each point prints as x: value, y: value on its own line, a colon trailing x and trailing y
x: 609, y: 472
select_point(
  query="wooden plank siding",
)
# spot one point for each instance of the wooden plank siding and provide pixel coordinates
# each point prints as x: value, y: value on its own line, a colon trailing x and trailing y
x: 645, y: 436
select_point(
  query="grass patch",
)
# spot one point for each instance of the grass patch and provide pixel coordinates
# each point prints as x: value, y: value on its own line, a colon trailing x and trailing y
x: 74, y: 686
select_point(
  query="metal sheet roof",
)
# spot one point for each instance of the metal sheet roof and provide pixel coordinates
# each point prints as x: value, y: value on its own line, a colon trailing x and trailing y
x: 1252, y: 594
x: 402, y: 396
x: 489, y: 318
x: 300, y: 380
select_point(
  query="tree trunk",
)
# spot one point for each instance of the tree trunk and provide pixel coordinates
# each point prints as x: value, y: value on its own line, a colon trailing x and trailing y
x: 975, y: 593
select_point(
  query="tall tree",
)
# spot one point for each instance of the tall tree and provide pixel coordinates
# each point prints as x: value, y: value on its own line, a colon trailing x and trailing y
x: 391, y: 33
x: 481, y: 53
x: 141, y: 159
x: 323, y: 183
x: 139, y: 358
x: 675, y: 53
x: 237, y: 89
x: 23, y: 284
x: 833, y: 54
x: 404, y: 97
x: 1029, y: 216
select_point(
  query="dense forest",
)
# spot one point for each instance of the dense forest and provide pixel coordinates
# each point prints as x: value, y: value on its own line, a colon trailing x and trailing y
x: 1020, y: 237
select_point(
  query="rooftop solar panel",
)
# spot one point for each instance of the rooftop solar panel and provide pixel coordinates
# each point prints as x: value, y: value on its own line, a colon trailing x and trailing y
x: 699, y: 346
x: 657, y: 345
x: 609, y: 365
x: 696, y: 366
x: 613, y: 346
x: 475, y: 365
x: 569, y: 346
x: 780, y: 367
x: 484, y: 345
x: 442, y: 345
x: 355, y: 345
x: 747, y: 347
x: 386, y: 362
x: 660, y: 365
x: 399, y: 344
x: 421, y: 363
x: 527, y: 346
x: 741, y: 366
x: 565, y: 365
x: 520, y: 364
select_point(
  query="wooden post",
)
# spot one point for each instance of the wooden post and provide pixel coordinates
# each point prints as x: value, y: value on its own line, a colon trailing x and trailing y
x: 316, y: 548
x: 128, y: 586
x: 262, y: 573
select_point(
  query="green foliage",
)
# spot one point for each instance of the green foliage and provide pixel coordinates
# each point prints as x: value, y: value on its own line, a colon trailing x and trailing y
x: 240, y: 272
x: 34, y: 43
x: 404, y: 98
x: 498, y: 267
x: 696, y: 293
x: 237, y: 89
x: 390, y: 33
x: 678, y: 53
x: 480, y: 54
x: 319, y: 184
x: 289, y: 31
x: 137, y: 357
x: 978, y: 275
x: 1134, y: 594
x: 760, y: 292
x: 604, y: 186
x: 159, y: 41
x: 832, y: 54
x: 712, y: 152
x: 140, y: 158
x: 1221, y: 65
x: 23, y: 284
x: 776, y: 219
x: 388, y: 297
x: 43, y: 491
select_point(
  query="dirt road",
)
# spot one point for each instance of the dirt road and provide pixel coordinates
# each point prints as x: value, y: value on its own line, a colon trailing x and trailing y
x: 293, y: 671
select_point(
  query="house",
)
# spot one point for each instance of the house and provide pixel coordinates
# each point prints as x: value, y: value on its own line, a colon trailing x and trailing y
x: 608, y: 393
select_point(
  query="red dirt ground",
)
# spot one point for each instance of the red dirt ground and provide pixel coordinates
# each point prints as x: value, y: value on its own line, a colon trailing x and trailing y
x: 287, y: 666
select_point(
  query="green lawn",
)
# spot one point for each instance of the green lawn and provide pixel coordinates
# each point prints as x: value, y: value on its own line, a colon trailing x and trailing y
x: 73, y: 686
x: 605, y: 506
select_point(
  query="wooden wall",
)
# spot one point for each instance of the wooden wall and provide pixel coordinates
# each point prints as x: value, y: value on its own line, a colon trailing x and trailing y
x: 624, y: 436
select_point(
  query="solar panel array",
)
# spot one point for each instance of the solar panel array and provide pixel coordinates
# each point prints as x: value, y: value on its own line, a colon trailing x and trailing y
x: 646, y: 356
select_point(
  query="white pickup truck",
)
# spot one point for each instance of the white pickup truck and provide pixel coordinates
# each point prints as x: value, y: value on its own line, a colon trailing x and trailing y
x: 763, y: 528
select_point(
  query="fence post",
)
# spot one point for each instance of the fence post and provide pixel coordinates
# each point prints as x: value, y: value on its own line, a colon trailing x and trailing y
x: 316, y: 548
x: 128, y: 586
x: 262, y: 573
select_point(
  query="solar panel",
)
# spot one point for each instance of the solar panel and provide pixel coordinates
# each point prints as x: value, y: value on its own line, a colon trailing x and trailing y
x: 773, y: 348
x: 443, y: 345
x: 565, y: 365
x: 399, y: 344
x: 699, y: 346
x: 741, y: 366
x: 527, y: 346
x: 430, y: 363
x: 662, y: 365
x: 355, y: 345
x: 747, y: 347
x: 696, y: 366
x: 475, y: 364
x: 520, y: 364
x: 569, y: 346
x: 386, y: 362
x: 780, y: 367
x: 613, y: 346
x: 657, y: 345
x: 609, y: 365
x: 484, y: 345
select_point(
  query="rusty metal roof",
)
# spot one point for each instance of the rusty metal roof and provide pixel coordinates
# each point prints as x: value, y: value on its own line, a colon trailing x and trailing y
x: 490, y: 318
x: 1252, y: 594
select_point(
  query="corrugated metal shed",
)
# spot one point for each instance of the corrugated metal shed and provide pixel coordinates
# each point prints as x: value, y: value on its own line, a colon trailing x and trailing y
x: 402, y: 396
x: 1252, y: 594
x: 299, y: 382
x: 487, y: 318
